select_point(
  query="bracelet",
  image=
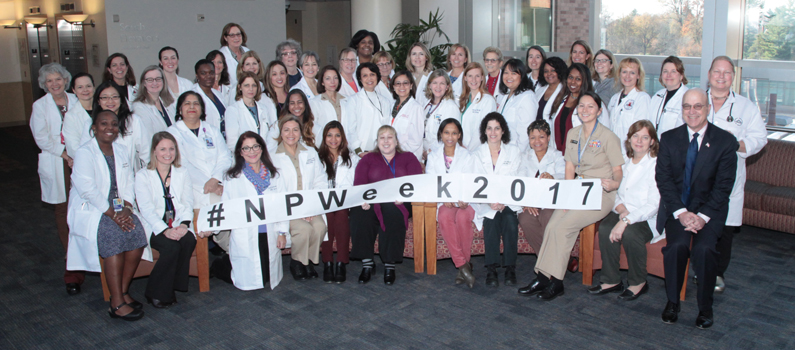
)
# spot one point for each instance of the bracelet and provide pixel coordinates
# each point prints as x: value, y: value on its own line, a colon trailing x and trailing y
x: 129, y: 207
x: 282, y: 233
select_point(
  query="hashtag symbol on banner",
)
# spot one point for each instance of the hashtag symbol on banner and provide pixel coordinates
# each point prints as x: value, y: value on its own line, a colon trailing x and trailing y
x: 215, y: 215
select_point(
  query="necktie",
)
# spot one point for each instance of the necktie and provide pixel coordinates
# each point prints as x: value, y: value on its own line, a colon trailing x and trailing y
x: 690, y: 162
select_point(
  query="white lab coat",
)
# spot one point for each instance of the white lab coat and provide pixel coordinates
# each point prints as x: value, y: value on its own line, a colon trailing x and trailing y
x: 201, y: 161
x: 548, y: 106
x: 324, y: 112
x: 213, y: 116
x: 463, y: 162
x: 382, y: 90
x: 604, y: 118
x: 447, y: 109
x: 74, y: 123
x: 137, y: 142
x: 45, y: 124
x: 420, y: 93
x: 371, y: 111
x: 151, y: 116
x: 343, y: 178
x: 458, y: 85
x: 184, y: 85
x: 313, y: 177
x: 638, y: 192
x: 304, y: 87
x: 231, y: 62
x: 519, y: 111
x: 244, y: 242
x: 470, y: 120
x: 240, y: 120
x: 409, y: 125
x: 552, y: 162
x: 152, y: 206
x: 88, y: 200
x: 497, y: 94
x: 132, y: 91
x: 634, y: 107
x: 670, y: 116
x: 748, y: 127
x: 345, y: 89
x: 509, y: 163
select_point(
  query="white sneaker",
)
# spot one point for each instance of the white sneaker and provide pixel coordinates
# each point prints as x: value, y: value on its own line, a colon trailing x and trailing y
x: 720, y: 285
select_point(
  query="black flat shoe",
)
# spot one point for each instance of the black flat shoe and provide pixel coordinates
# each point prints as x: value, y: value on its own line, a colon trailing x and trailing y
x: 510, y: 275
x: 72, y: 288
x: 627, y: 295
x: 533, y: 288
x: 704, y: 319
x: 468, y: 276
x: 671, y: 313
x: 328, y: 272
x: 491, y: 277
x: 158, y: 304
x: 367, y: 272
x: 339, y: 273
x: 134, y: 304
x: 389, y: 277
x: 598, y: 290
x: 134, y: 315
x: 310, y: 271
x: 298, y: 270
x: 552, y: 291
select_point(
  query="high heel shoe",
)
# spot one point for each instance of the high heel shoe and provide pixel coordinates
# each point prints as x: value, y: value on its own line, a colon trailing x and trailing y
x: 134, y: 315
x: 467, y: 275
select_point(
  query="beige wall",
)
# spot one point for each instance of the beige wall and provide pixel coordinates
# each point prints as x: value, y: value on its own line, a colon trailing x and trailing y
x: 327, y: 29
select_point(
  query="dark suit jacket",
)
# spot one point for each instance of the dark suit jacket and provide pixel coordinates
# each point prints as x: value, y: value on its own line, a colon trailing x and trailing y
x: 712, y: 179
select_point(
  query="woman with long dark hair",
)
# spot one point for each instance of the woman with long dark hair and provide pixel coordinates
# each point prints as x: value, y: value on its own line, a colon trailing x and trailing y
x: 297, y: 105
x: 518, y: 102
x: 118, y: 70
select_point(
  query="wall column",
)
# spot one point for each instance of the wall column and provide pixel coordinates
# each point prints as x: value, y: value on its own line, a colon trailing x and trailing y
x: 379, y: 16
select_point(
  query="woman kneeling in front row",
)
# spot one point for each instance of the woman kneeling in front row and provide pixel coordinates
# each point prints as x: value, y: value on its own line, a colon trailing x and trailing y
x: 632, y: 223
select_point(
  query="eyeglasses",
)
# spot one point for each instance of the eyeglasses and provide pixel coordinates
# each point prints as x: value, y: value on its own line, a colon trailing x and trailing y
x: 384, y: 65
x: 254, y: 148
x: 289, y: 53
x: 234, y: 35
x: 602, y: 60
x: 698, y: 107
x: 402, y: 83
x: 106, y: 98
x: 491, y: 60
x: 348, y: 60
x: 152, y: 80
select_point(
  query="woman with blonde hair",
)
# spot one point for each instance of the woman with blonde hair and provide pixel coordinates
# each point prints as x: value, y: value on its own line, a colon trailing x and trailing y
x: 420, y: 64
x: 631, y: 103
x: 458, y: 57
x: 441, y: 106
x: 475, y: 103
x: 250, y: 62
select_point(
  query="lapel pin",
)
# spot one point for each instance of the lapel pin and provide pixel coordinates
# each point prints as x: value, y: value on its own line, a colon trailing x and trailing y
x: 707, y: 144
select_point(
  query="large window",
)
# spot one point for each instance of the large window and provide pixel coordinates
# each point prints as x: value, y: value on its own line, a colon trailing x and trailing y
x: 652, y: 27
x: 524, y: 23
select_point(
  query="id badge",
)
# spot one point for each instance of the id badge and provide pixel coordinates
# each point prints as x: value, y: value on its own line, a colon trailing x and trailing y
x: 118, y: 204
x: 209, y: 142
x: 169, y: 217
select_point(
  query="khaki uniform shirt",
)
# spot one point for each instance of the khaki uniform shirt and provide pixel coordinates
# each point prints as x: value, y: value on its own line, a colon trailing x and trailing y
x: 600, y: 153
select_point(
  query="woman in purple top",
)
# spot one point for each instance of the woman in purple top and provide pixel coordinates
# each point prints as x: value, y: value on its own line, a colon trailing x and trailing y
x: 387, y: 220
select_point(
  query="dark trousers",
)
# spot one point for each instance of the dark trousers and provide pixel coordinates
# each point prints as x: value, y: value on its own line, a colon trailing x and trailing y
x: 264, y: 258
x: 634, y: 241
x: 172, y: 267
x: 339, y: 229
x: 725, y: 248
x: 505, y: 226
x: 704, y: 257
x: 365, y: 227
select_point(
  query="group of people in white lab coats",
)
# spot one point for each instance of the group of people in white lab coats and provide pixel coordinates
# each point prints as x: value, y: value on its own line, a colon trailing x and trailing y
x: 161, y: 147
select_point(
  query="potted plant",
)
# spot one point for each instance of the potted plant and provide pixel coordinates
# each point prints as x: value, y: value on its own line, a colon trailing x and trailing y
x: 404, y: 35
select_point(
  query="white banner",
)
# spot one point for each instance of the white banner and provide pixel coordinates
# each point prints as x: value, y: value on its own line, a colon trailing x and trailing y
x: 470, y: 188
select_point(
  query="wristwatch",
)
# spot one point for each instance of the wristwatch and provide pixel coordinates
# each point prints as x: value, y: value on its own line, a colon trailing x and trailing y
x: 625, y: 220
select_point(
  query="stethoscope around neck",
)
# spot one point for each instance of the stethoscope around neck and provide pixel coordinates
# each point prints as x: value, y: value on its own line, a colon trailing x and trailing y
x: 730, y: 118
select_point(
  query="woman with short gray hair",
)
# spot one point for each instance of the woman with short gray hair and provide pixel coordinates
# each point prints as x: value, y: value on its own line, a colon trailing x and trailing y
x: 46, y: 124
x: 288, y: 52
x: 309, y: 63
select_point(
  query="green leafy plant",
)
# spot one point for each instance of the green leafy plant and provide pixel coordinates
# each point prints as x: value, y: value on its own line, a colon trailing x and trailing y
x: 404, y: 35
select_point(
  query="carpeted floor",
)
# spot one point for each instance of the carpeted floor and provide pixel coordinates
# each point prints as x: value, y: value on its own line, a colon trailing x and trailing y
x: 757, y: 311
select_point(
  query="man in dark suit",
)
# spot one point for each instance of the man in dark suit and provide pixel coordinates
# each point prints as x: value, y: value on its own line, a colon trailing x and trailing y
x: 696, y: 167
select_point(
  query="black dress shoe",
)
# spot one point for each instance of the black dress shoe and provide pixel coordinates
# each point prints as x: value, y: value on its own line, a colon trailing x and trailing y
x: 671, y: 313
x: 134, y: 304
x: 627, y: 295
x: 310, y: 271
x: 533, y: 288
x: 72, y: 288
x: 367, y: 272
x: 159, y: 304
x: 598, y: 290
x: 389, y: 276
x: 510, y: 275
x: 298, y: 270
x: 328, y: 272
x: 491, y: 276
x: 552, y: 291
x: 339, y: 272
x: 704, y: 319
x: 134, y: 315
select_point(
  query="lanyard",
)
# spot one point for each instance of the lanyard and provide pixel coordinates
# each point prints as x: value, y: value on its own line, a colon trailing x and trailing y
x: 166, y: 189
x: 506, y: 103
x: 579, y: 148
x: 380, y: 107
x: 469, y: 103
x: 391, y: 166
x: 430, y: 104
x: 254, y: 113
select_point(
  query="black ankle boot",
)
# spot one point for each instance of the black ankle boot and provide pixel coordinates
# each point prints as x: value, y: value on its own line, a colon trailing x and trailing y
x: 510, y: 275
x: 328, y: 272
x: 339, y: 272
x: 298, y: 270
x: 491, y: 276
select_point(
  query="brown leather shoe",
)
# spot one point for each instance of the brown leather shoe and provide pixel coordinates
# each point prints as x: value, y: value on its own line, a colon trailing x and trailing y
x: 574, y: 265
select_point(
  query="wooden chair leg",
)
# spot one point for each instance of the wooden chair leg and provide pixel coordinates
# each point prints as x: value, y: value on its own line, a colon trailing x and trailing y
x: 430, y: 236
x: 586, y: 253
x: 105, y: 289
x: 418, y: 213
x: 203, y: 264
